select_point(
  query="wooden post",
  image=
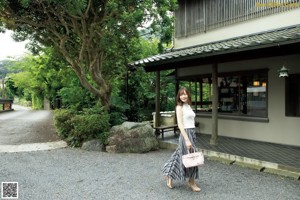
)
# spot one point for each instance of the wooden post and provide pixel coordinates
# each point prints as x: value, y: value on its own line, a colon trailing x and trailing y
x: 175, y: 96
x: 201, y: 93
x: 196, y: 94
x: 176, y: 88
x: 157, y: 99
x: 215, y: 103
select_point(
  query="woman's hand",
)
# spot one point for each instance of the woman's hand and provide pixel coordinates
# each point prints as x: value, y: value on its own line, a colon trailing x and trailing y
x: 188, y: 144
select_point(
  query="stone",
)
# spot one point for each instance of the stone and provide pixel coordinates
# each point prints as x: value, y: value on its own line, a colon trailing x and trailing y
x: 132, y: 137
x: 93, y: 145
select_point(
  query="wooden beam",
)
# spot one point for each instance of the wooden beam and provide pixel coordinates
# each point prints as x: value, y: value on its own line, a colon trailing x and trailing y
x: 157, y: 99
x: 196, y: 95
x: 201, y: 92
x: 215, y: 102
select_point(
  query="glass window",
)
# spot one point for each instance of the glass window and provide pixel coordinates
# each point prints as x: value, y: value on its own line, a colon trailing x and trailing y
x: 229, y: 89
x: 292, y: 103
x: 240, y: 93
x: 254, y: 95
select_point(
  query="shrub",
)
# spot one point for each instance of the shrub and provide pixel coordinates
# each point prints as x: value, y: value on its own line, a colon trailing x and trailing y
x: 77, y: 127
x: 86, y: 127
x: 62, y: 122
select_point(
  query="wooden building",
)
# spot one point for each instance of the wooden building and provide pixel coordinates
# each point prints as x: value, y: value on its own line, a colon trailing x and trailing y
x: 232, y: 53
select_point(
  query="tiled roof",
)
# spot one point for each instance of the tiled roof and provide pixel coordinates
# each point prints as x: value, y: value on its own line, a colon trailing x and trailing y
x: 243, y: 43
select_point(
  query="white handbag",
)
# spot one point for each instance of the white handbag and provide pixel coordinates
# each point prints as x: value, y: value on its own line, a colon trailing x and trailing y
x: 193, y: 159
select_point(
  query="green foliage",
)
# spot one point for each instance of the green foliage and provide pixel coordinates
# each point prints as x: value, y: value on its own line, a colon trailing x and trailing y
x: 87, y: 127
x: 109, y: 43
x: 62, y: 122
x: 137, y: 89
x: 28, y: 80
x: 206, y: 90
x: 167, y: 92
x: 37, y: 102
x: 21, y: 83
x: 132, y: 97
x: 96, y: 38
x: 87, y: 49
x: 75, y: 97
x: 139, y: 94
x: 47, y: 76
x: 117, y: 110
x: 76, y: 127
x: 3, y: 69
x: 10, y: 89
x: 23, y: 102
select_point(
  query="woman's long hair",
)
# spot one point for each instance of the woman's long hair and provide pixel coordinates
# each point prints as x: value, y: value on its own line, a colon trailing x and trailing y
x: 180, y: 92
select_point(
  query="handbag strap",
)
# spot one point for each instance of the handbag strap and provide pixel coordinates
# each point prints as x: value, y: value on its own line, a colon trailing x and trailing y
x: 195, y: 150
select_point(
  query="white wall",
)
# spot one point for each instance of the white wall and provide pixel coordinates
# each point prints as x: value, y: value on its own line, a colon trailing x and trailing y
x: 266, y: 23
x: 280, y: 129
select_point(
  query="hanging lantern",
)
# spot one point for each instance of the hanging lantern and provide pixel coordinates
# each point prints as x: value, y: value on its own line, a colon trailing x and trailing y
x: 283, y: 72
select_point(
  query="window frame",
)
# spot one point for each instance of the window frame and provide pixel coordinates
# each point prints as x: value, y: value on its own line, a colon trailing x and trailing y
x: 196, y: 90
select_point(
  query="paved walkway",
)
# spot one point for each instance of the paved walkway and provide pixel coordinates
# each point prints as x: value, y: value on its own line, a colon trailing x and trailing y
x: 269, y: 157
x: 27, y: 130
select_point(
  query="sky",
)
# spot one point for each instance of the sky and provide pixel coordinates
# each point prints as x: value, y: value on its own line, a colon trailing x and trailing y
x: 8, y: 47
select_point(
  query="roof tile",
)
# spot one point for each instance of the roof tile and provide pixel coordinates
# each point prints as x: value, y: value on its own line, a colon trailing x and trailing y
x: 275, y: 36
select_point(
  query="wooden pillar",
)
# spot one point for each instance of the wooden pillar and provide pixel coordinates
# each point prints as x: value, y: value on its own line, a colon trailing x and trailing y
x: 157, y: 99
x: 209, y: 89
x: 127, y: 85
x: 201, y: 92
x: 176, y: 90
x: 196, y: 95
x: 215, y: 103
x: 176, y: 87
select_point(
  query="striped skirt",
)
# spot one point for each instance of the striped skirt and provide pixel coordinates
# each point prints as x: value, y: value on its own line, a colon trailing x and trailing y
x: 174, y: 167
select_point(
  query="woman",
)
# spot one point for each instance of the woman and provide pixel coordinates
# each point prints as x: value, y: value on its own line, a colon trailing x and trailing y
x: 174, y: 169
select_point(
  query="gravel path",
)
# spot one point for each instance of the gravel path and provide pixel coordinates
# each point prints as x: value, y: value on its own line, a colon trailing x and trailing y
x: 25, y: 126
x: 71, y: 174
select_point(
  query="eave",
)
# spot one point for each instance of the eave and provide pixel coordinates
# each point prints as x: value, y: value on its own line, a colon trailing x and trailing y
x: 264, y: 44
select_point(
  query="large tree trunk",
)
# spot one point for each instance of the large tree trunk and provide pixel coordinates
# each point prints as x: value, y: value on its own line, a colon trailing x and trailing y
x: 101, y: 88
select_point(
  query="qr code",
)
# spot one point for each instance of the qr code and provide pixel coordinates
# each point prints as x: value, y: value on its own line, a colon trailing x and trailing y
x: 9, y: 190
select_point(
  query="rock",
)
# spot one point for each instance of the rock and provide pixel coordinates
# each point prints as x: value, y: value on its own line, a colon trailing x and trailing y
x: 132, y: 137
x: 93, y: 145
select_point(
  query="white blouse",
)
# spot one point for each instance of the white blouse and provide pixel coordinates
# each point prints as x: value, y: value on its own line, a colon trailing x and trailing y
x: 188, y: 116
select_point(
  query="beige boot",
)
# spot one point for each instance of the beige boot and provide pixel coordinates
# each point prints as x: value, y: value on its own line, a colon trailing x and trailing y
x: 193, y: 186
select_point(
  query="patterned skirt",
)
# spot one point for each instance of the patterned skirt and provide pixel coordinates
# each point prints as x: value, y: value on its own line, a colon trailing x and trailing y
x: 174, y: 167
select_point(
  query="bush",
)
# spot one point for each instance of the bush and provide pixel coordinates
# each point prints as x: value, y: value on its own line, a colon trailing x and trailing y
x: 78, y: 127
x: 62, y: 122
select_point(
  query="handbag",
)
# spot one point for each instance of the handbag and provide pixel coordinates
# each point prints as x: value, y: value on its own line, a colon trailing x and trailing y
x: 193, y: 159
